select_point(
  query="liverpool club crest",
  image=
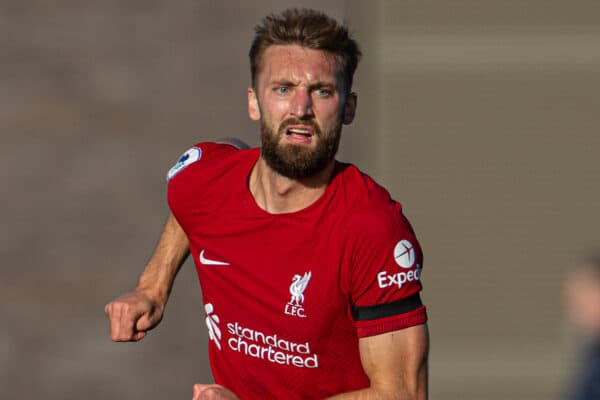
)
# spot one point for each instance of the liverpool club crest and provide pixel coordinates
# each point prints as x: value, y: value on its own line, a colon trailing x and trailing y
x: 294, y: 306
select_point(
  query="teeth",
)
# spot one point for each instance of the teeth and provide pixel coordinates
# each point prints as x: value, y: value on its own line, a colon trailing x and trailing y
x: 300, y: 131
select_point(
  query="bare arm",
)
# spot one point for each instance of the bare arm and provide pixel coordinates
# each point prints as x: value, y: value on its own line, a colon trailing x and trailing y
x: 170, y: 253
x: 140, y: 310
x: 396, y: 364
x: 136, y: 312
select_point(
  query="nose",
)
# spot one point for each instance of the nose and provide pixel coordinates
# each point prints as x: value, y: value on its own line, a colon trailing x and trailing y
x: 302, y: 106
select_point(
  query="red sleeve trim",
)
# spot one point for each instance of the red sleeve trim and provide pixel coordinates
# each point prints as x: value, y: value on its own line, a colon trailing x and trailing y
x: 393, y: 323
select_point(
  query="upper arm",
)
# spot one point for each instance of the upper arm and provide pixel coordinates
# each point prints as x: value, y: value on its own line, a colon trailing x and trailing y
x: 390, y: 319
x: 396, y: 362
x: 385, y: 275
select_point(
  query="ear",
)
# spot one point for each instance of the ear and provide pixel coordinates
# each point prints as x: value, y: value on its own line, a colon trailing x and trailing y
x: 350, y: 108
x: 253, y: 108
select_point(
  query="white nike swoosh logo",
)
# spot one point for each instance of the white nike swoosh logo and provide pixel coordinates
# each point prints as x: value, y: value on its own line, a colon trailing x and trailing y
x: 207, y: 261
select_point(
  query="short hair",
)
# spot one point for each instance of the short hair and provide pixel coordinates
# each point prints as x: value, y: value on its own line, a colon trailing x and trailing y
x: 307, y: 28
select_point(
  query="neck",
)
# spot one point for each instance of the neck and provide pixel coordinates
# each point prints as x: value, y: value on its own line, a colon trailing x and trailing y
x: 278, y: 194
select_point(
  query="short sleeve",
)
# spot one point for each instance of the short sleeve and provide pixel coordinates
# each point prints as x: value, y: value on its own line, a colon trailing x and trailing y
x: 200, y: 153
x: 385, y: 277
x: 192, y: 173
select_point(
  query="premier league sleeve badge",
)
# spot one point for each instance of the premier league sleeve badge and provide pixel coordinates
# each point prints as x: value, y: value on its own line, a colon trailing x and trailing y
x: 190, y: 156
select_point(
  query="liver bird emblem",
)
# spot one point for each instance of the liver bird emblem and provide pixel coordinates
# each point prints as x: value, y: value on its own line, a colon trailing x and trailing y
x: 298, y: 287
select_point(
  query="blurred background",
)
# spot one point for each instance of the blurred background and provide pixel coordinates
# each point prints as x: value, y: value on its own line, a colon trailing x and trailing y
x: 481, y: 117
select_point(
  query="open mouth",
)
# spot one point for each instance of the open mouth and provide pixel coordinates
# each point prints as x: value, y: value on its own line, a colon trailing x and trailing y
x: 298, y: 134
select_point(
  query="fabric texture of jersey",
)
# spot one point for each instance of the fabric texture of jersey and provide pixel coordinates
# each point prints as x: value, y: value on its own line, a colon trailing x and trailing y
x: 288, y: 296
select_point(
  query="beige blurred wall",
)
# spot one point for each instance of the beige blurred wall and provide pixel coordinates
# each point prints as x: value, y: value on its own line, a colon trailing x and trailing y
x: 480, y: 117
x: 488, y: 133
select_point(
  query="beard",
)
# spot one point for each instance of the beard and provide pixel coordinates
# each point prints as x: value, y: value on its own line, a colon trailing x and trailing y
x: 295, y: 161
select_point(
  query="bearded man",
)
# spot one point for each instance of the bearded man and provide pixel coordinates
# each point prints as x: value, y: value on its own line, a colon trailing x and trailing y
x: 310, y: 273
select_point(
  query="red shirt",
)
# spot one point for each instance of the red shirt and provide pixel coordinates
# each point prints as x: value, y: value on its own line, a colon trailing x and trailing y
x: 287, y: 296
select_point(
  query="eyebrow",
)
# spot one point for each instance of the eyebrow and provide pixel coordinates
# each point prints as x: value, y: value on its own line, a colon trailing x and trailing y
x: 284, y: 82
x: 312, y: 86
x: 321, y: 84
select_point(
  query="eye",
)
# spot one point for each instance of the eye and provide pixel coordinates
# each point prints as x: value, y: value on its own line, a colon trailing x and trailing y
x: 322, y: 92
x: 282, y: 90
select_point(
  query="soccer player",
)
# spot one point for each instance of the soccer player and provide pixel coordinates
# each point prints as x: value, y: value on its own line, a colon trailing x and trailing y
x: 310, y: 272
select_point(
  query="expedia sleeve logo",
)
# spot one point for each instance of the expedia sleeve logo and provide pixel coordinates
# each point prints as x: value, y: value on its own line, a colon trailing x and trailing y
x: 404, y: 254
x: 191, y: 156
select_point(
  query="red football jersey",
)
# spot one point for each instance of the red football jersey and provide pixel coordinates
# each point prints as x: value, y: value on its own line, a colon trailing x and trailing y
x: 287, y: 296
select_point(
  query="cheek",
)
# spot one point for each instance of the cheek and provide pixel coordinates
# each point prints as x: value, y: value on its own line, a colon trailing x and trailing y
x: 330, y: 115
x: 274, y: 103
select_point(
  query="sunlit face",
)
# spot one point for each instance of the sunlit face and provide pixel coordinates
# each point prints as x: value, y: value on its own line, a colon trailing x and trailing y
x: 301, y: 103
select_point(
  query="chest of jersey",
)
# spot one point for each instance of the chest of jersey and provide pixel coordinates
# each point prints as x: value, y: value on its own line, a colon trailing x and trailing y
x: 279, y: 274
x: 274, y: 300
x: 274, y: 287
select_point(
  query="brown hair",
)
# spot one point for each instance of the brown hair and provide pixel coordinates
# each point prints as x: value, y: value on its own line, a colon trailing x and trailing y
x: 307, y: 28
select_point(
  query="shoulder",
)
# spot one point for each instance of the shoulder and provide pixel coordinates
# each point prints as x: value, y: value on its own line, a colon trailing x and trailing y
x: 370, y: 209
x: 362, y: 187
x: 382, y: 260
x: 208, y: 165
x: 205, y: 174
x: 202, y: 153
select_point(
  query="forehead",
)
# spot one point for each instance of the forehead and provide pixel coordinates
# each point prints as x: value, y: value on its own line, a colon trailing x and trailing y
x: 297, y: 63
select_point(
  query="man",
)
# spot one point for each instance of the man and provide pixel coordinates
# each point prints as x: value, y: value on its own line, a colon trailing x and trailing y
x: 310, y: 273
x: 582, y: 301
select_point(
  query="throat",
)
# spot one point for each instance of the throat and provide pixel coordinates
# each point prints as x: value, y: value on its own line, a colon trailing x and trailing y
x: 277, y: 194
